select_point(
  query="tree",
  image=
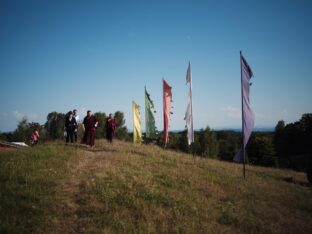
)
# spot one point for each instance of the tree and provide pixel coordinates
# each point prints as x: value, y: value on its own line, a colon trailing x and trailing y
x: 293, y: 142
x: 24, y: 130
x: 121, y: 129
x: 209, y: 146
x: 260, y: 150
x: 309, y: 170
x: 182, y: 143
x: 229, y: 142
x: 306, y: 129
x: 101, y: 129
x: 3, y: 137
x: 279, y: 139
x: 55, y: 125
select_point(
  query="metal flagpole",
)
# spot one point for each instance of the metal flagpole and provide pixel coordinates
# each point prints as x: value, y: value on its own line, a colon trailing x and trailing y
x: 191, y: 100
x: 163, y: 85
x: 145, y: 113
x: 243, y: 120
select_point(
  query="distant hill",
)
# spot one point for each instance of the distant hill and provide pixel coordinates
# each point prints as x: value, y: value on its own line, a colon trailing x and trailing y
x: 126, y: 188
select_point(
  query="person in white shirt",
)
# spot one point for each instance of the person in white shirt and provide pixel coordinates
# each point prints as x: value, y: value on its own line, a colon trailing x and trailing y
x: 76, y: 116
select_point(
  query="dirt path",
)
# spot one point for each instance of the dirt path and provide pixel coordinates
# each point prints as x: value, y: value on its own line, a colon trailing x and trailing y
x: 75, y: 201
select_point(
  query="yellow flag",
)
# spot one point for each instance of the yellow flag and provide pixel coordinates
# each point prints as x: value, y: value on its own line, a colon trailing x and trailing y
x: 137, y: 132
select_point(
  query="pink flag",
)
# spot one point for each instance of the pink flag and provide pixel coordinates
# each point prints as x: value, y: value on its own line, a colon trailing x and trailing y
x: 167, y: 109
x: 248, y: 114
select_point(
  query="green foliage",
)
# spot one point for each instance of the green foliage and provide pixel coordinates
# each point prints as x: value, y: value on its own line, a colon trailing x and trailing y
x: 261, y: 151
x: 3, y: 137
x: 182, y: 142
x: 309, y: 170
x: 209, y: 146
x: 293, y: 142
x: 24, y: 130
x: 101, y: 129
x: 55, y: 125
x: 229, y: 143
x: 121, y: 130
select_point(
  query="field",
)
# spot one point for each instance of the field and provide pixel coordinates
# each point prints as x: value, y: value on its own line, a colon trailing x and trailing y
x: 126, y: 188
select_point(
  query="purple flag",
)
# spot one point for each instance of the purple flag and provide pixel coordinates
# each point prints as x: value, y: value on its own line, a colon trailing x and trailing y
x: 248, y: 114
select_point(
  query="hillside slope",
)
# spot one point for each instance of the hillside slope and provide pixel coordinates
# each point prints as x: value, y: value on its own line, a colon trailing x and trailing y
x: 127, y: 188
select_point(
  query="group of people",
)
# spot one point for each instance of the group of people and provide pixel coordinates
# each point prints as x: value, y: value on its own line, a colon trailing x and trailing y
x: 89, y: 125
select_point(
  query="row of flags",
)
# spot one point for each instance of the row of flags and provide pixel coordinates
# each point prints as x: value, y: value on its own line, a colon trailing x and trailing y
x: 248, y: 116
x: 150, y: 126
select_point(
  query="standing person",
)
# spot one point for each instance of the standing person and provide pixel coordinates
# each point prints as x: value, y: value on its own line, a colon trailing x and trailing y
x: 34, y: 137
x: 70, y: 126
x: 76, y: 116
x: 89, y: 125
x: 110, y: 128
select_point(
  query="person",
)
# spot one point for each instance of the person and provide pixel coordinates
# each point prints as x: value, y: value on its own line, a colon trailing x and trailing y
x: 89, y: 125
x: 70, y: 126
x: 34, y: 137
x: 110, y: 128
x: 76, y: 116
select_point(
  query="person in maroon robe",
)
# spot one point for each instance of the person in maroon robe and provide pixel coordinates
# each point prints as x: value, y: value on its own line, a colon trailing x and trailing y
x: 110, y: 128
x: 89, y: 125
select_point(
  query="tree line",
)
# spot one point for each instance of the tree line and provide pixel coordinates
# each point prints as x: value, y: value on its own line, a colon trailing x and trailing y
x: 53, y: 129
x: 288, y: 146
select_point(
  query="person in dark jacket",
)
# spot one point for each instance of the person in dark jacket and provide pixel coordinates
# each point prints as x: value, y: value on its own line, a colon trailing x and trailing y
x: 110, y: 128
x: 70, y: 126
x: 89, y: 125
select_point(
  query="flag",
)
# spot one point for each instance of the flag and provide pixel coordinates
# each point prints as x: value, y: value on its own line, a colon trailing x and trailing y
x: 167, y: 95
x: 137, y: 132
x: 248, y: 114
x: 150, y: 127
x: 189, y: 110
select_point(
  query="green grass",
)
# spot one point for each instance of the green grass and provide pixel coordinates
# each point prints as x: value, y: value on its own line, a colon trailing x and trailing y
x: 127, y: 188
x: 28, y: 178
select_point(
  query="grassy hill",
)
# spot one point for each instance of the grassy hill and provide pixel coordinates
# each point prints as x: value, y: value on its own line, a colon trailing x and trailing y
x: 126, y: 188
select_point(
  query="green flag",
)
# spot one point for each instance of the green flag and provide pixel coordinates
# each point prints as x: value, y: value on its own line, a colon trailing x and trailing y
x: 150, y: 128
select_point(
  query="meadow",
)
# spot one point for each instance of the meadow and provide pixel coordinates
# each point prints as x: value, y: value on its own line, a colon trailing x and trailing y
x: 126, y: 188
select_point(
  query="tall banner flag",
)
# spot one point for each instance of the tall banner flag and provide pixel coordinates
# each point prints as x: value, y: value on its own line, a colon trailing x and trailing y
x: 167, y: 95
x: 137, y: 132
x: 150, y: 128
x: 248, y: 116
x: 189, y: 110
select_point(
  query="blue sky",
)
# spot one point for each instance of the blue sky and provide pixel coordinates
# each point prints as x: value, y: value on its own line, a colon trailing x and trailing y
x: 99, y: 55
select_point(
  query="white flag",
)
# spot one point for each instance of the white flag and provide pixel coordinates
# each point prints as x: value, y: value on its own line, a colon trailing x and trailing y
x: 189, y: 110
x: 248, y: 114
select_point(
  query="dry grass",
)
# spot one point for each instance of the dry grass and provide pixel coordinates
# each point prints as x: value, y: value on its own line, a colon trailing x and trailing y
x: 126, y: 188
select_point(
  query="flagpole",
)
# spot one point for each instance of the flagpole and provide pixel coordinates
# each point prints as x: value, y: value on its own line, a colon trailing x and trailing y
x: 243, y: 128
x: 163, y: 85
x: 133, y: 121
x: 145, y: 113
x: 191, y: 100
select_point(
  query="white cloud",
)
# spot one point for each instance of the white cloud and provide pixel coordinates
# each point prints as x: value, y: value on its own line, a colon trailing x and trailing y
x: 18, y: 115
x: 232, y: 112
x: 30, y: 116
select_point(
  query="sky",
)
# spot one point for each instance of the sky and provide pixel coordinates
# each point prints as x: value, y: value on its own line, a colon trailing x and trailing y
x: 98, y: 55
